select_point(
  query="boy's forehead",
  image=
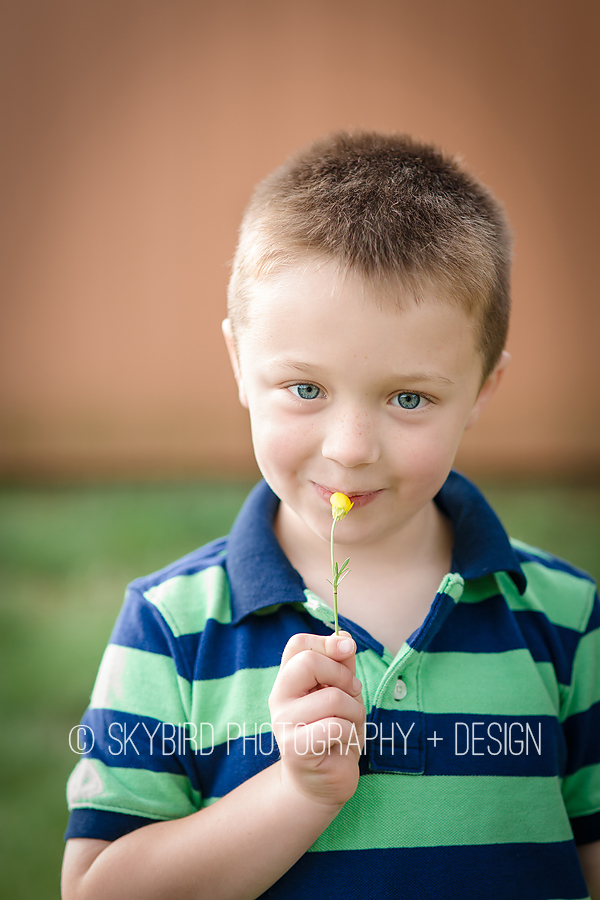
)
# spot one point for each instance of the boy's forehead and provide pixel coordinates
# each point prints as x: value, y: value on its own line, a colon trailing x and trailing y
x: 317, y: 313
x: 340, y: 290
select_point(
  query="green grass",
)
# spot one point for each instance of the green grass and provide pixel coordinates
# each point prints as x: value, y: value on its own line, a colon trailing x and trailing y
x: 66, y: 554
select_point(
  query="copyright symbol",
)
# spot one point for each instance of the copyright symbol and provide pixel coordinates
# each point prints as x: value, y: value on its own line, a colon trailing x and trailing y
x: 83, y: 741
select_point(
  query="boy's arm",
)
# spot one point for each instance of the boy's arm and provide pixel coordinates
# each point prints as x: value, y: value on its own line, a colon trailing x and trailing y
x: 589, y: 856
x: 240, y: 845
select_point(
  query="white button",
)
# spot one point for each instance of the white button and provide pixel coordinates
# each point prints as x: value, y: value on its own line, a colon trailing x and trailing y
x: 400, y: 690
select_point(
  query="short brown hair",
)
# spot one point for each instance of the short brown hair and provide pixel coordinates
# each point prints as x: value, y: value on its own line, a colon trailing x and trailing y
x: 391, y: 209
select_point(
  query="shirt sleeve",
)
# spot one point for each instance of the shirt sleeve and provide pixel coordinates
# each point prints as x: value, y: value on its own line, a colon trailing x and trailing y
x: 137, y: 762
x: 581, y: 726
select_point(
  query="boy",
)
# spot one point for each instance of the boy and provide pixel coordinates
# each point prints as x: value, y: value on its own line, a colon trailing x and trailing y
x: 368, y: 311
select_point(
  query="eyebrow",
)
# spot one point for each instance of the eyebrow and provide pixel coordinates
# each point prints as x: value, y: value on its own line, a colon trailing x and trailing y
x: 292, y: 364
x: 308, y: 368
x: 425, y: 376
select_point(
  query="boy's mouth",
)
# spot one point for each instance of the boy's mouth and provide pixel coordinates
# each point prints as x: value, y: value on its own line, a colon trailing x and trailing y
x: 358, y: 498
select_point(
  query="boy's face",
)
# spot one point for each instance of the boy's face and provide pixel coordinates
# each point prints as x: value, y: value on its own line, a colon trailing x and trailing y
x: 349, y: 393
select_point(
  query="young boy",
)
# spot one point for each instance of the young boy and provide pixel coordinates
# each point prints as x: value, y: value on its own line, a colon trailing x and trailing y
x: 236, y: 754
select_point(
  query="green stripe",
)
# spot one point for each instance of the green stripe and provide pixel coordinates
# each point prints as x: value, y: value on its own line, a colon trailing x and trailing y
x: 507, y: 683
x: 566, y: 599
x: 317, y: 608
x: 481, y: 589
x: 586, y: 687
x: 141, y: 683
x: 456, y: 682
x: 407, y: 666
x: 547, y: 673
x: 582, y: 791
x: 453, y: 585
x: 370, y: 670
x: 240, y: 699
x: 186, y: 602
x: 417, y: 811
x: 134, y: 792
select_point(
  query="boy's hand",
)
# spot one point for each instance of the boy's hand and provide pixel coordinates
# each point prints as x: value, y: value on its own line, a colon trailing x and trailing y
x: 318, y: 717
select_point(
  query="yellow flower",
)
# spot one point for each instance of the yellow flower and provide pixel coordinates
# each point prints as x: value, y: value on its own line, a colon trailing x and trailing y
x: 340, y: 505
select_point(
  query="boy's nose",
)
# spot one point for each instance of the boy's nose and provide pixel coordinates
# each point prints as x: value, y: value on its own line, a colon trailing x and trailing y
x: 351, y: 440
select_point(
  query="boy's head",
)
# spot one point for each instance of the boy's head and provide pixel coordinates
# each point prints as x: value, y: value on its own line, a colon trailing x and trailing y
x: 368, y: 312
x: 396, y: 212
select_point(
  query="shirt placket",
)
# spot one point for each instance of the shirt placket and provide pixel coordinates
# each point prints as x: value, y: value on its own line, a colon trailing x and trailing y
x: 396, y: 738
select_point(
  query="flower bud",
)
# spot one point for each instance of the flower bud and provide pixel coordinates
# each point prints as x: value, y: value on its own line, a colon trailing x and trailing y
x: 340, y: 505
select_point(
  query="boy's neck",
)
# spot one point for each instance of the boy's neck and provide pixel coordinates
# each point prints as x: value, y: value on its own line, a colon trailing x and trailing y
x: 392, y: 582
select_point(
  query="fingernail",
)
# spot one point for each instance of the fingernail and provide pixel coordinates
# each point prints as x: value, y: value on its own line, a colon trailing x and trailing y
x: 356, y: 685
x: 346, y: 646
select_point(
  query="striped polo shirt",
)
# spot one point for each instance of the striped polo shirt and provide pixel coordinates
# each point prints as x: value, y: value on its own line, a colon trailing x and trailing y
x: 481, y: 767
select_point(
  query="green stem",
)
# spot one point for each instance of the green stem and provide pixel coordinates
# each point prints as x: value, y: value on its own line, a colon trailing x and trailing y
x: 334, y: 580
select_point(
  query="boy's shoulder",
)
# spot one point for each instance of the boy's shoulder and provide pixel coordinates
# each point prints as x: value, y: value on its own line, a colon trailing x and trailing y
x: 183, y: 595
x: 207, y: 557
x: 221, y: 582
x: 559, y: 590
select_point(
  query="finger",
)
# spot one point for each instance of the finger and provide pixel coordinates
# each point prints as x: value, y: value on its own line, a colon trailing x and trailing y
x: 327, y: 703
x: 324, y: 736
x: 309, y: 670
x: 340, y: 647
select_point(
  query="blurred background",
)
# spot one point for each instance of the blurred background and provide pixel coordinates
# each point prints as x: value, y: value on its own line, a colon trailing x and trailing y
x: 134, y: 131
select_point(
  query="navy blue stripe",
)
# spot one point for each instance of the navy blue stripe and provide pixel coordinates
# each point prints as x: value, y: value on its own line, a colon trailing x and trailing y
x: 594, y: 620
x: 123, y: 740
x: 255, y: 643
x: 586, y: 829
x: 103, y: 825
x: 488, y: 872
x: 395, y: 741
x: 458, y: 745
x: 548, y: 642
x: 582, y: 732
x: 491, y: 627
x: 494, y: 745
x: 232, y: 763
x: 141, y: 625
x: 464, y: 744
x: 483, y: 872
x: 437, y: 616
x: 442, y: 744
x: 221, y: 649
x: 484, y: 627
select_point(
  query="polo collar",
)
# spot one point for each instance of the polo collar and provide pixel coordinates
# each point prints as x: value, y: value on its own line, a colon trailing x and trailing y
x: 261, y: 575
x: 481, y: 545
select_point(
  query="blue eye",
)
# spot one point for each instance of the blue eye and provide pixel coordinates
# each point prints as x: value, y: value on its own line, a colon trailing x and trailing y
x: 305, y: 391
x: 408, y: 400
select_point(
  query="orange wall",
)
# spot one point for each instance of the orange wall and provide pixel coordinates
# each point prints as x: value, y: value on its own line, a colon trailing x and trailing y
x: 133, y: 133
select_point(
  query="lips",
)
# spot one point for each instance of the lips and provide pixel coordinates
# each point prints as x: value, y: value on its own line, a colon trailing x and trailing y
x: 359, y: 498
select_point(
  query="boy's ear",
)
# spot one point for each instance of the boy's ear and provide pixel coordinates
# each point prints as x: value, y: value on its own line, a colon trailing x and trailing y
x: 488, y: 389
x: 233, y: 358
